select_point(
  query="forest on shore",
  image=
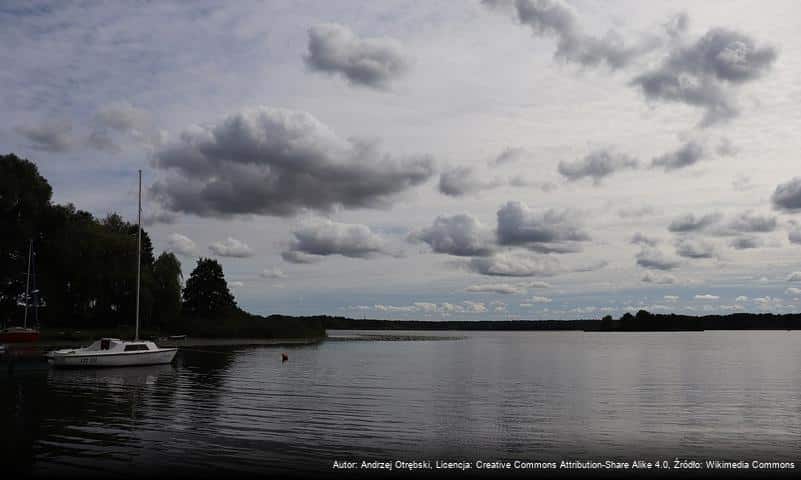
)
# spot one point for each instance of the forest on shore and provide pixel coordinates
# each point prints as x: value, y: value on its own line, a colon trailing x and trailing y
x: 643, y: 321
x: 85, y: 272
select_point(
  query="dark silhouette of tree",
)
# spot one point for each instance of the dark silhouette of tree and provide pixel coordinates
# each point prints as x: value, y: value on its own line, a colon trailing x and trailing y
x: 24, y: 200
x: 206, y: 293
x: 167, y: 282
x: 628, y: 322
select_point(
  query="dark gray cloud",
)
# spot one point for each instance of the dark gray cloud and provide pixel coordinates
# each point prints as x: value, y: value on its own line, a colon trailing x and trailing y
x: 690, y: 223
x: 641, y: 239
x: 509, y: 264
x: 653, y: 258
x: 787, y: 196
x: 547, y: 231
x: 461, y: 235
x: 706, y: 93
x: 460, y: 181
x: 704, y: 73
x: 746, y: 242
x: 371, y: 62
x: 554, y: 18
x: 695, y: 248
x: 231, y: 247
x: 597, y: 165
x: 278, y: 162
x: 688, y: 154
x: 749, y: 222
x: 712, y: 224
x: 51, y: 135
x: 318, y: 239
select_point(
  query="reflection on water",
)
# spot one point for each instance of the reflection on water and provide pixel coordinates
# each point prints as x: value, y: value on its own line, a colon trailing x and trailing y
x: 490, y: 394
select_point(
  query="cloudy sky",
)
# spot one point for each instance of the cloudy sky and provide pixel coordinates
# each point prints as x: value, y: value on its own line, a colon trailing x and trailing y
x: 406, y: 159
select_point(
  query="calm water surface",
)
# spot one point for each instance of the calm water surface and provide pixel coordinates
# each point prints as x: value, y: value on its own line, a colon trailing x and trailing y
x: 487, y: 395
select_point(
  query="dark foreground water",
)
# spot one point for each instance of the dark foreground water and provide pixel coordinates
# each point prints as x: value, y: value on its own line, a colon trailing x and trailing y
x: 489, y: 395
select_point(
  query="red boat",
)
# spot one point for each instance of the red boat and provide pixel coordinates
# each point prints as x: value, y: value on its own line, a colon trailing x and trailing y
x: 18, y: 335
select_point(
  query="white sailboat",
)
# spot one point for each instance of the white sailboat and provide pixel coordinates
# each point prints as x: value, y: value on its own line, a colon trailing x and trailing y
x: 113, y: 352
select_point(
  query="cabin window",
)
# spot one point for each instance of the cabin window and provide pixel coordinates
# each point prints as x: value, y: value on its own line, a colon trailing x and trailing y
x: 135, y: 347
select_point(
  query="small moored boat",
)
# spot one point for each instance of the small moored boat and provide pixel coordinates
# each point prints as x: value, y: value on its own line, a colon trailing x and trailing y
x: 112, y: 352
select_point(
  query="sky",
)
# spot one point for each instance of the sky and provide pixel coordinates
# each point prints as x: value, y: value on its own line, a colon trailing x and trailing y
x: 497, y: 159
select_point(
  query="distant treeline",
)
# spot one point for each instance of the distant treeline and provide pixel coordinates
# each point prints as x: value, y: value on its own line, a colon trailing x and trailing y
x: 342, y: 323
x: 643, y: 321
x: 646, y: 321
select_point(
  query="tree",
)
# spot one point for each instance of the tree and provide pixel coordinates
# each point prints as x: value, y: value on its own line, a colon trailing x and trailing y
x: 24, y: 200
x: 206, y: 293
x: 628, y: 322
x: 167, y: 285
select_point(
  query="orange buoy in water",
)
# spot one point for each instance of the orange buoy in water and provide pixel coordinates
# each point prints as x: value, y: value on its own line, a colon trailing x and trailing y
x: 284, y: 357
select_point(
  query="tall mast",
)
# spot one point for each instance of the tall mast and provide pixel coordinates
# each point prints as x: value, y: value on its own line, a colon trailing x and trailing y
x: 34, y: 292
x: 28, y: 284
x: 138, y: 253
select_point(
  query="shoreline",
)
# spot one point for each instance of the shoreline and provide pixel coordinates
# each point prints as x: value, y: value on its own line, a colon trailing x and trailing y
x: 188, y: 342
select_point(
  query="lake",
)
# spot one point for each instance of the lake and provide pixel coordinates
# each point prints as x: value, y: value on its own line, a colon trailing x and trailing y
x: 470, y: 396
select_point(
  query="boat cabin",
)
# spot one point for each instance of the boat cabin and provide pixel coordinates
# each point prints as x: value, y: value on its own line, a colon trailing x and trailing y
x: 115, y: 344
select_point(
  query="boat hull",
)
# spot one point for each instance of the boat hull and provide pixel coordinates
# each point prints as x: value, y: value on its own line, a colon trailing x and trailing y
x: 123, y: 359
x: 19, y: 336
